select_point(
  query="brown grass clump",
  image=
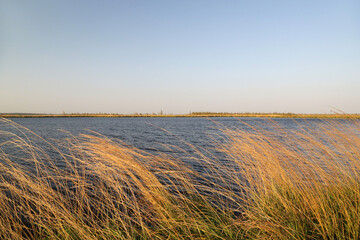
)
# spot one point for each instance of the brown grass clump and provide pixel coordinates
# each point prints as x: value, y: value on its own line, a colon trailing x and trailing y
x: 102, y: 189
x: 275, y: 184
x: 301, y: 184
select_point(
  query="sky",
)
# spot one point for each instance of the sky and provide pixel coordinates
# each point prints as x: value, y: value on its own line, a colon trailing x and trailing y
x: 179, y: 56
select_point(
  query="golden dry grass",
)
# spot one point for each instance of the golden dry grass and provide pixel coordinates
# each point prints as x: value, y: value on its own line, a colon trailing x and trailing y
x: 275, y: 184
x: 302, y: 186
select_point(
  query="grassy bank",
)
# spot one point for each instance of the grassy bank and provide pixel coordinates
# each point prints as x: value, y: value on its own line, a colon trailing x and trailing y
x: 276, y: 184
x: 195, y: 114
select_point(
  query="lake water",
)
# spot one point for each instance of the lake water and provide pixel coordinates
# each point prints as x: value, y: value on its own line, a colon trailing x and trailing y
x: 147, y: 133
x: 155, y: 134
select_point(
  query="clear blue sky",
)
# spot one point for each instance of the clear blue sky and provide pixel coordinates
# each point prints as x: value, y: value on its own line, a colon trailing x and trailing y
x: 179, y: 56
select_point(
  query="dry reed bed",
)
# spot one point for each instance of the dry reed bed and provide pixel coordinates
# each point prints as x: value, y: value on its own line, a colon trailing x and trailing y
x: 276, y: 184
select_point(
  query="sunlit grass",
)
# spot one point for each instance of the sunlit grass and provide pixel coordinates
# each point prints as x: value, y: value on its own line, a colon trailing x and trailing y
x: 304, y: 186
x: 276, y: 184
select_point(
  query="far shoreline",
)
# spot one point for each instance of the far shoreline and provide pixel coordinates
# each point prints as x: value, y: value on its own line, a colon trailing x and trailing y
x: 191, y: 115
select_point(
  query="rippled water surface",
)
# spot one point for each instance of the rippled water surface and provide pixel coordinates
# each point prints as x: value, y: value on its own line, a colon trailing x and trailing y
x: 150, y: 133
x: 156, y: 134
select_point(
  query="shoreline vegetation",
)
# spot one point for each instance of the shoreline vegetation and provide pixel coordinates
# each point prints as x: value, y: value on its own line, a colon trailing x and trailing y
x: 193, y: 114
x: 267, y: 184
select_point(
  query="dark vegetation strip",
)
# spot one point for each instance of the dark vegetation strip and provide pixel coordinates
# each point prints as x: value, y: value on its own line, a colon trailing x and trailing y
x: 195, y: 114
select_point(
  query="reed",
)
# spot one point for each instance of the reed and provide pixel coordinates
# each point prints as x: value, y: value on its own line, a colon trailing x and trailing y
x: 275, y: 184
x: 302, y: 184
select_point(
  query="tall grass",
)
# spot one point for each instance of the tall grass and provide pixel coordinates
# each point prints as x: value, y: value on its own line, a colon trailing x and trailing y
x: 302, y: 184
x: 275, y: 184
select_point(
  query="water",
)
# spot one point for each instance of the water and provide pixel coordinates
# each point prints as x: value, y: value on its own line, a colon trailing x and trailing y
x: 157, y: 134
